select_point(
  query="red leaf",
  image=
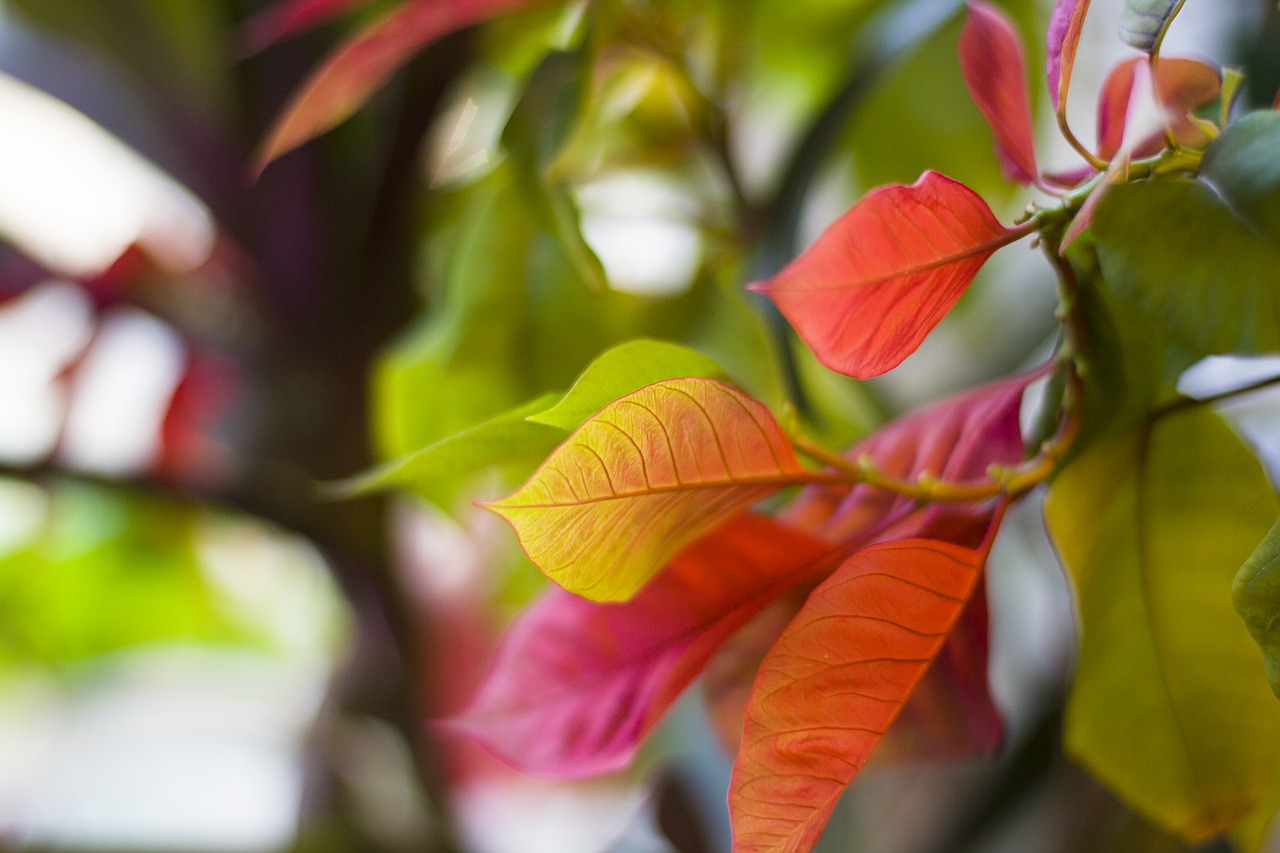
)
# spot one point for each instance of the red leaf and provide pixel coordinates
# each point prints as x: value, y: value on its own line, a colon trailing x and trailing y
x: 958, y: 439
x: 575, y: 685
x: 1184, y: 85
x: 288, y: 18
x: 835, y: 681
x: 1065, y: 25
x: 877, y: 281
x: 995, y: 73
x: 346, y: 80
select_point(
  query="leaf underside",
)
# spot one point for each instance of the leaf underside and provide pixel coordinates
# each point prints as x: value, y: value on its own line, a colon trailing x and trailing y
x: 1142, y: 21
x: 1065, y: 25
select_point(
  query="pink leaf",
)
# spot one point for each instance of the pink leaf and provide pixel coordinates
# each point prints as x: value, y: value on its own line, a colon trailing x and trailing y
x: 957, y: 438
x: 836, y: 680
x: 880, y: 278
x: 290, y: 17
x: 576, y: 684
x: 995, y: 72
x: 1065, y: 25
x: 346, y: 80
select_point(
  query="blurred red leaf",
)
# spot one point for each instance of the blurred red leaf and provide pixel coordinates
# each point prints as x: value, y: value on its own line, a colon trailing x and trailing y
x: 995, y: 73
x: 1065, y: 24
x: 290, y: 17
x: 575, y: 685
x: 1183, y: 85
x: 870, y: 289
x: 835, y: 681
x: 346, y: 80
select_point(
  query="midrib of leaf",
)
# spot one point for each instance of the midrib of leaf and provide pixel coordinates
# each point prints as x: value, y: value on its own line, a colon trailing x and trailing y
x: 779, y: 480
x: 984, y: 247
x: 1158, y: 640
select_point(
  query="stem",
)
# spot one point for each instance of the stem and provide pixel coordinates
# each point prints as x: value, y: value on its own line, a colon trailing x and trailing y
x: 1164, y: 29
x: 1012, y: 481
x: 1185, y: 403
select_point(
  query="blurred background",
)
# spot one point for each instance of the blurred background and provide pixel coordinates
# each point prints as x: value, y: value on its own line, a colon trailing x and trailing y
x: 201, y: 649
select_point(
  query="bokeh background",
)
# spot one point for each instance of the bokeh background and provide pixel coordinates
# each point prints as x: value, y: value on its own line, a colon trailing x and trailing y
x: 204, y: 648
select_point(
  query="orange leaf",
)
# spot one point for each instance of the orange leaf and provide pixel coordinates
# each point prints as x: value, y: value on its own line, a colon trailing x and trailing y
x: 995, y: 73
x: 642, y: 478
x: 835, y: 681
x: 877, y: 281
x: 347, y: 79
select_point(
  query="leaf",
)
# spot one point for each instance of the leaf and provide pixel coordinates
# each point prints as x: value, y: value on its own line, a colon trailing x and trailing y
x: 575, y: 685
x: 1242, y: 168
x: 289, y: 17
x: 348, y: 77
x: 834, y: 682
x: 877, y: 281
x: 509, y: 437
x: 1065, y: 25
x: 625, y: 368
x: 1256, y: 593
x: 1186, y: 263
x: 643, y: 477
x: 995, y: 73
x: 1142, y: 21
x: 957, y: 438
x: 1184, y: 85
x: 1167, y: 707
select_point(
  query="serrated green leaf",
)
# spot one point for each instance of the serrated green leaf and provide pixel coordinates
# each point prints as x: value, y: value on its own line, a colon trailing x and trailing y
x: 627, y: 367
x: 1256, y: 593
x: 1176, y: 253
x: 506, y: 439
x: 1242, y: 166
x: 1167, y: 707
x: 1143, y: 20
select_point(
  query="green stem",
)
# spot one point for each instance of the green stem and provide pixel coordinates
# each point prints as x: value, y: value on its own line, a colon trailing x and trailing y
x: 1185, y: 403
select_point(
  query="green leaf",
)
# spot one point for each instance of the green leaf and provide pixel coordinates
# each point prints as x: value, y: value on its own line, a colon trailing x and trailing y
x: 627, y: 367
x: 1167, y: 706
x: 502, y: 440
x: 1176, y: 253
x: 1144, y: 20
x: 1257, y: 598
x: 1242, y: 166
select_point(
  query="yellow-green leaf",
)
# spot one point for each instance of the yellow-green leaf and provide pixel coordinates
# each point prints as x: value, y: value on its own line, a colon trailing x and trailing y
x: 1168, y: 707
x: 644, y: 476
x: 1256, y: 591
x: 625, y: 368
